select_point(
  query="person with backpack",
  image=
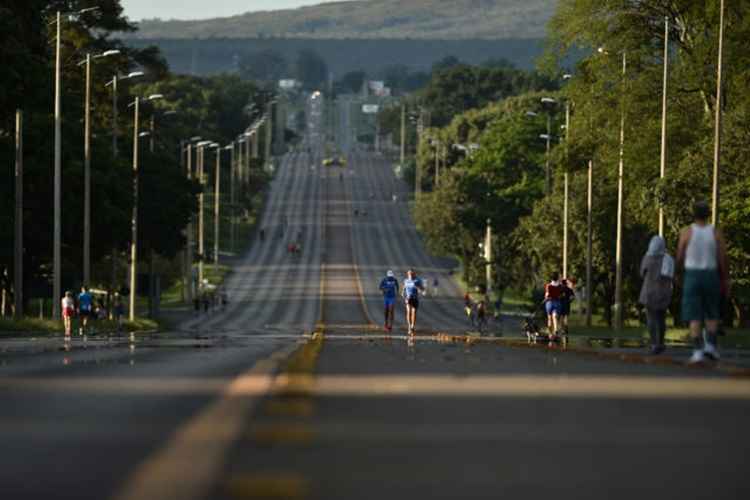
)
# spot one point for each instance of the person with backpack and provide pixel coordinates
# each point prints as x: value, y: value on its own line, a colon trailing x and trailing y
x: 701, y: 252
x: 657, y: 272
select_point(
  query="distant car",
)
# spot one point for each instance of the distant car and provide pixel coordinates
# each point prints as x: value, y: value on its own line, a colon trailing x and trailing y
x: 334, y: 162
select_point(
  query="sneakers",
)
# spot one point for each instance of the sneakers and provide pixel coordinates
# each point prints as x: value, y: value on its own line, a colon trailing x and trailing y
x: 697, y: 357
x: 710, y: 351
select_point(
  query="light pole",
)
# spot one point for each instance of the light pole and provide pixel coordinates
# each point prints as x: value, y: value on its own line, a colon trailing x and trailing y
x: 57, y: 227
x: 236, y: 145
x: 189, y: 231
x: 134, y: 218
x: 566, y: 186
x: 548, y: 103
x: 18, y: 226
x: 589, y: 235
x: 201, y: 199
x: 87, y: 166
x: 717, y: 124
x: 663, y: 156
x: 217, y: 201
x: 618, y: 316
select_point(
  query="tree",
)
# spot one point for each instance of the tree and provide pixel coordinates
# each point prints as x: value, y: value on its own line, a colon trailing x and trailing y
x: 264, y: 66
x: 311, y: 69
x: 352, y: 82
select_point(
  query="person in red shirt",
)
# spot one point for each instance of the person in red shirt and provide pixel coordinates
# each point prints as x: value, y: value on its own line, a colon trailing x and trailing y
x: 552, y: 305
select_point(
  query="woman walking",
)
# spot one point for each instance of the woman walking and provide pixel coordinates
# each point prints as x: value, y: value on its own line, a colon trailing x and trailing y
x: 68, y: 311
x: 657, y: 271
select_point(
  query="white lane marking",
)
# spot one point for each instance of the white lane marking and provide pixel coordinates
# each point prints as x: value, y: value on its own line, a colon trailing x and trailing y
x: 609, y: 386
x: 187, y: 466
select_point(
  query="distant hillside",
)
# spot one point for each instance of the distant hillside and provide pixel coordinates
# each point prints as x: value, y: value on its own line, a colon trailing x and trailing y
x: 397, y: 19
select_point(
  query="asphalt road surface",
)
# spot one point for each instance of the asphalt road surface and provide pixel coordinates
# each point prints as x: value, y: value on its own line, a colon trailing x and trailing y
x: 214, y: 410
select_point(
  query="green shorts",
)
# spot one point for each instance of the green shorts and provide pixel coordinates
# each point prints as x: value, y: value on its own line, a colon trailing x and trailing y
x: 701, y: 295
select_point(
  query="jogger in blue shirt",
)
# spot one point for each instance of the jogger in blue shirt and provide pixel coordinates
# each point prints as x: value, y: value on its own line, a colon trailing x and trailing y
x: 389, y: 287
x: 412, y: 287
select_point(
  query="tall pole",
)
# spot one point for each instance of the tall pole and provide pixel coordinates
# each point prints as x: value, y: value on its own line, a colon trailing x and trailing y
x: 151, y: 128
x: 269, y: 131
x: 57, y: 231
x: 190, y: 233
x: 201, y: 250
x: 87, y: 179
x: 589, y: 234
x: 233, y: 197
x: 134, y: 216
x: 548, y: 173
x: 488, y: 257
x: 115, y: 153
x: 18, y: 237
x: 255, y: 145
x: 217, y: 194
x: 403, y: 135
x: 618, y: 251
x: 717, y: 125
x: 565, y: 194
x: 663, y: 157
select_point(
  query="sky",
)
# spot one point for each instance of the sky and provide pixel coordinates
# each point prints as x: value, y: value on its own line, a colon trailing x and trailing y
x: 202, y: 9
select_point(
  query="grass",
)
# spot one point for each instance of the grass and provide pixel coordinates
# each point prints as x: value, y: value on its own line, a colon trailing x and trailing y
x: 35, y: 326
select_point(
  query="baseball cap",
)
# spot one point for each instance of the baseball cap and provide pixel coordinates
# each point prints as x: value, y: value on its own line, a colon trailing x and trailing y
x: 389, y: 274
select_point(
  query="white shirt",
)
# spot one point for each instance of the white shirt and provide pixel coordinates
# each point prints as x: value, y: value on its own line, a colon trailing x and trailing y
x: 701, y: 249
x: 67, y: 303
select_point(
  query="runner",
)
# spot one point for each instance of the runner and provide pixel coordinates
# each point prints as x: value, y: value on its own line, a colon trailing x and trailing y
x: 412, y: 287
x: 68, y: 310
x: 701, y: 252
x: 85, y: 308
x: 552, y: 293
x: 389, y: 288
x: 567, y: 295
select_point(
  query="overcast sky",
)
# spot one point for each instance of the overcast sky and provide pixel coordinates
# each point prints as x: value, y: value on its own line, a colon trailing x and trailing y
x: 201, y: 9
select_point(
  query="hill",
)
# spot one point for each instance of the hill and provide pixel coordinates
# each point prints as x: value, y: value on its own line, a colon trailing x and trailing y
x: 392, y: 19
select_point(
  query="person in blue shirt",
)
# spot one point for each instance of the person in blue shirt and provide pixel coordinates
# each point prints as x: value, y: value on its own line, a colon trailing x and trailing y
x: 389, y: 288
x: 85, y: 308
x: 412, y: 287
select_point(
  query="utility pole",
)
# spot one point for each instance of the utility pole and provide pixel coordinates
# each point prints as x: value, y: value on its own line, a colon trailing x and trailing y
x: 201, y: 250
x: 57, y: 231
x: 189, y: 232
x: 18, y: 238
x: 663, y: 156
x: 403, y: 135
x: 548, y: 171
x: 488, y: 257
x: 134, y: 216
x: 565, y: 194
x: 87, y: 179
x: 618, y: 251
x: 233, y: 196
x: 269, y: 130
x: 217, y: 194
x: 717, y: 125
x: 589, y: 235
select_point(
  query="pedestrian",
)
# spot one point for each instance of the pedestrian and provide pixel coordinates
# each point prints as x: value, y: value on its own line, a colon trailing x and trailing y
x: 206, y: 302
x: 412, y: 286
x: 435, y: 285
x: 68, y: 311
x: 552, y: 293
x: 389, y: 289
x: 224, y: 300
x: 197, y: 305
x: 119, y: 310
x: 262, y: 234
x: 701, y: 253
x: 469, y: 308
x: 85, y: 308
x: 567, y: 296
x: 657, y: 271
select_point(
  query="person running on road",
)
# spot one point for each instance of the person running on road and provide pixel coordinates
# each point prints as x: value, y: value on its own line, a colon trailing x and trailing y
x: 567, y: 295
x: 68, y: 310
x: 389, y: 288
x: 701, y: 252
x: 412, y: 287
x: 552, y: 293
x: 85, y: 308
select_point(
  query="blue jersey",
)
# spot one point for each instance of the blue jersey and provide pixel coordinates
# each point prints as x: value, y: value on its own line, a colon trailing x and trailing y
x: 389, y: 287
x: 85, y: 301
x: 412, y: 287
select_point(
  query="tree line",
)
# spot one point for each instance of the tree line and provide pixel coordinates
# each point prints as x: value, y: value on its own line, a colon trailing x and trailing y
x: 216, y: 108
x: 503, y: 178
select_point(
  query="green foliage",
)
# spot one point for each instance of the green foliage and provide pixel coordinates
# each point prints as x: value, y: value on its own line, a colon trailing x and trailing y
x: 417, y: 19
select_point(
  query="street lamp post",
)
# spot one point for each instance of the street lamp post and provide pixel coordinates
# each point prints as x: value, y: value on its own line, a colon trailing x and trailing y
x: 18, y: 238
x: 134, y: 216
x: 618, y: 252
x: 189, y: 231
x: 57, y: 208
x: 663, y: 156
x: 589, y: 235
x: 87, y: 166
x: 717, y: 120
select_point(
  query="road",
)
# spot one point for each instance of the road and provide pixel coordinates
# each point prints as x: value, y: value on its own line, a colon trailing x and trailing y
x: 214, y: 409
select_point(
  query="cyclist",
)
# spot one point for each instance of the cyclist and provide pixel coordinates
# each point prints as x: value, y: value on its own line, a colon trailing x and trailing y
x: 389, y: 288
x: 412, y: 287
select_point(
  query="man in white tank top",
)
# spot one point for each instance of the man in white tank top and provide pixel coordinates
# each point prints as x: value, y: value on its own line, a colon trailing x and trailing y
x: 702, y: 254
